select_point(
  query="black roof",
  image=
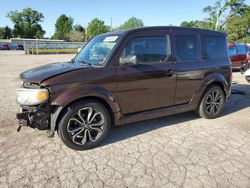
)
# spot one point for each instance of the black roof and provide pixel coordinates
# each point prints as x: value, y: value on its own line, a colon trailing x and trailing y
x: 127, y: 31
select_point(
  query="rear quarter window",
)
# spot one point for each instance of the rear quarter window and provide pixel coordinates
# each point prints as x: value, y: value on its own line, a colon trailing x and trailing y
x: 214, y: 47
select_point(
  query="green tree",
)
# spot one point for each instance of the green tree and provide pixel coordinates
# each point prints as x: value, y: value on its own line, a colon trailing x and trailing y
x: 227, y: 16
x: 96, y: 27
x: 76, y: 36
x: 223, y: 11
x: 131, y: 23
x: 79, y: 28
x: 1, y: 32
x: 197, y: 24
x: 63, y: 26
x: 5, y: 33
x: 238, y: 27
x: 26, y: 23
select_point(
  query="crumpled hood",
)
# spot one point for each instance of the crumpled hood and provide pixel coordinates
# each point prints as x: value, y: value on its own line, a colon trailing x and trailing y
x: 39, y: 74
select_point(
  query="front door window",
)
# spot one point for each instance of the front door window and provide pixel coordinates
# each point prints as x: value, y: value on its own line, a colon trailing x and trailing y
x: 148, y: 49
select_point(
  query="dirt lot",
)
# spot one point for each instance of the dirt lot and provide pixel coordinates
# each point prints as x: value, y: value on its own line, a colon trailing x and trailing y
x: 177, y: 151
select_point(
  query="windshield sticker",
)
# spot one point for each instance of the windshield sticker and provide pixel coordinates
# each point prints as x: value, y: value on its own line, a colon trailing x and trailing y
x: 110, y: 39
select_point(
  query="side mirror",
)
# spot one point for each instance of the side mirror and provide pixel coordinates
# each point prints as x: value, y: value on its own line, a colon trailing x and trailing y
x: 128, y: 60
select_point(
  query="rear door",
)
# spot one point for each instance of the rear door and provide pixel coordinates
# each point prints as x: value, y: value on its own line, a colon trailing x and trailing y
x: 189, y: 66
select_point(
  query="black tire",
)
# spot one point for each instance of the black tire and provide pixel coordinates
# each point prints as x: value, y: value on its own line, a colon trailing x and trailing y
x: 82, y: 136
x: 212, y: 102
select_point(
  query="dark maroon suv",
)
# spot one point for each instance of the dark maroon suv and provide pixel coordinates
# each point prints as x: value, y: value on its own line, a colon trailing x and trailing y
x: 127, y: 76
x: 238, y: 54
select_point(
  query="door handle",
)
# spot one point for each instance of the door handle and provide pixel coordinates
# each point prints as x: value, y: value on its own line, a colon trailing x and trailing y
x: 169, y: 73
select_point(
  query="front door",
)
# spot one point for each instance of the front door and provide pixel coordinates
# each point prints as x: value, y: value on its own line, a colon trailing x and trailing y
x: 149, y: 84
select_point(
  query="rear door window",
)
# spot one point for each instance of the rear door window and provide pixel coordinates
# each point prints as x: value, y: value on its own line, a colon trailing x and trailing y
x: 186, y: 47
x: 215, y: 47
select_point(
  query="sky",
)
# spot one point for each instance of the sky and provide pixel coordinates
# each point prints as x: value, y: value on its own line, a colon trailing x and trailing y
x: 152, y: 12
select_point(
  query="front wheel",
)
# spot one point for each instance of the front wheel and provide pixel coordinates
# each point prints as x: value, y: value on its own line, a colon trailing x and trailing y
x: 211, y: 103
x: 84, y: 125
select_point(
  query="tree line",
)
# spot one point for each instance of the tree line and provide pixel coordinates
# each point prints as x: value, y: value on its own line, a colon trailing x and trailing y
x: 27, y: 25
x: 231, y: 16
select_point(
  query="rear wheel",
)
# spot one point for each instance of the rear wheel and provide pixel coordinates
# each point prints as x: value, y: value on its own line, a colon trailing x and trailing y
x: 84, y: 125
x: 212, y: 102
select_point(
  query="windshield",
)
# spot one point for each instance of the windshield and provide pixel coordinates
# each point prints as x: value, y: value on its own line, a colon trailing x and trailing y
x: 96, y: 51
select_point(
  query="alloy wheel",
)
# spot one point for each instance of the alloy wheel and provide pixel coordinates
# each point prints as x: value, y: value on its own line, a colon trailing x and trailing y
x: 214, y: 102
x: 86, y: 126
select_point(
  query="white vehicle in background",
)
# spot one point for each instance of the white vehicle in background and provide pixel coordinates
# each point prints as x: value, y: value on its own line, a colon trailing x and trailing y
x: 247, y: 73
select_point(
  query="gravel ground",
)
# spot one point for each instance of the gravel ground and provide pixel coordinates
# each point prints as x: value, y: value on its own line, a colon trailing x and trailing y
x: 177, y: 151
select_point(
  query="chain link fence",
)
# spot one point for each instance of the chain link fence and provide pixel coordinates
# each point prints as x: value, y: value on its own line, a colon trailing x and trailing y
x: 43, y: 46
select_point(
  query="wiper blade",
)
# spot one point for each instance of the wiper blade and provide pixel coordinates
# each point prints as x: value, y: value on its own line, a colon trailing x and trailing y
x: 83, y: 62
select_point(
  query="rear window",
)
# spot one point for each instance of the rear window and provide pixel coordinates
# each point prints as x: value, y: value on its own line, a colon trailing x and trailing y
x: 214, y: 47
x: 241, y: 49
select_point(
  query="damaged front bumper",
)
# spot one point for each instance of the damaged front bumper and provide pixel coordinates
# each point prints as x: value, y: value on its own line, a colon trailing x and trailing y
x: 34, y: 117
x: 40, y: 117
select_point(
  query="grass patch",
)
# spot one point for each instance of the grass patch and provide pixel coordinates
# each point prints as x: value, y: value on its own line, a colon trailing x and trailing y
x: 53, y: 51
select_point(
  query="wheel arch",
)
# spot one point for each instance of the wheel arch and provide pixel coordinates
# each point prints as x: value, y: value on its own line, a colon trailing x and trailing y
x: 199, y: 110
x: 212, y: 79
x: 60, y: 111
x: 217, y: 82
